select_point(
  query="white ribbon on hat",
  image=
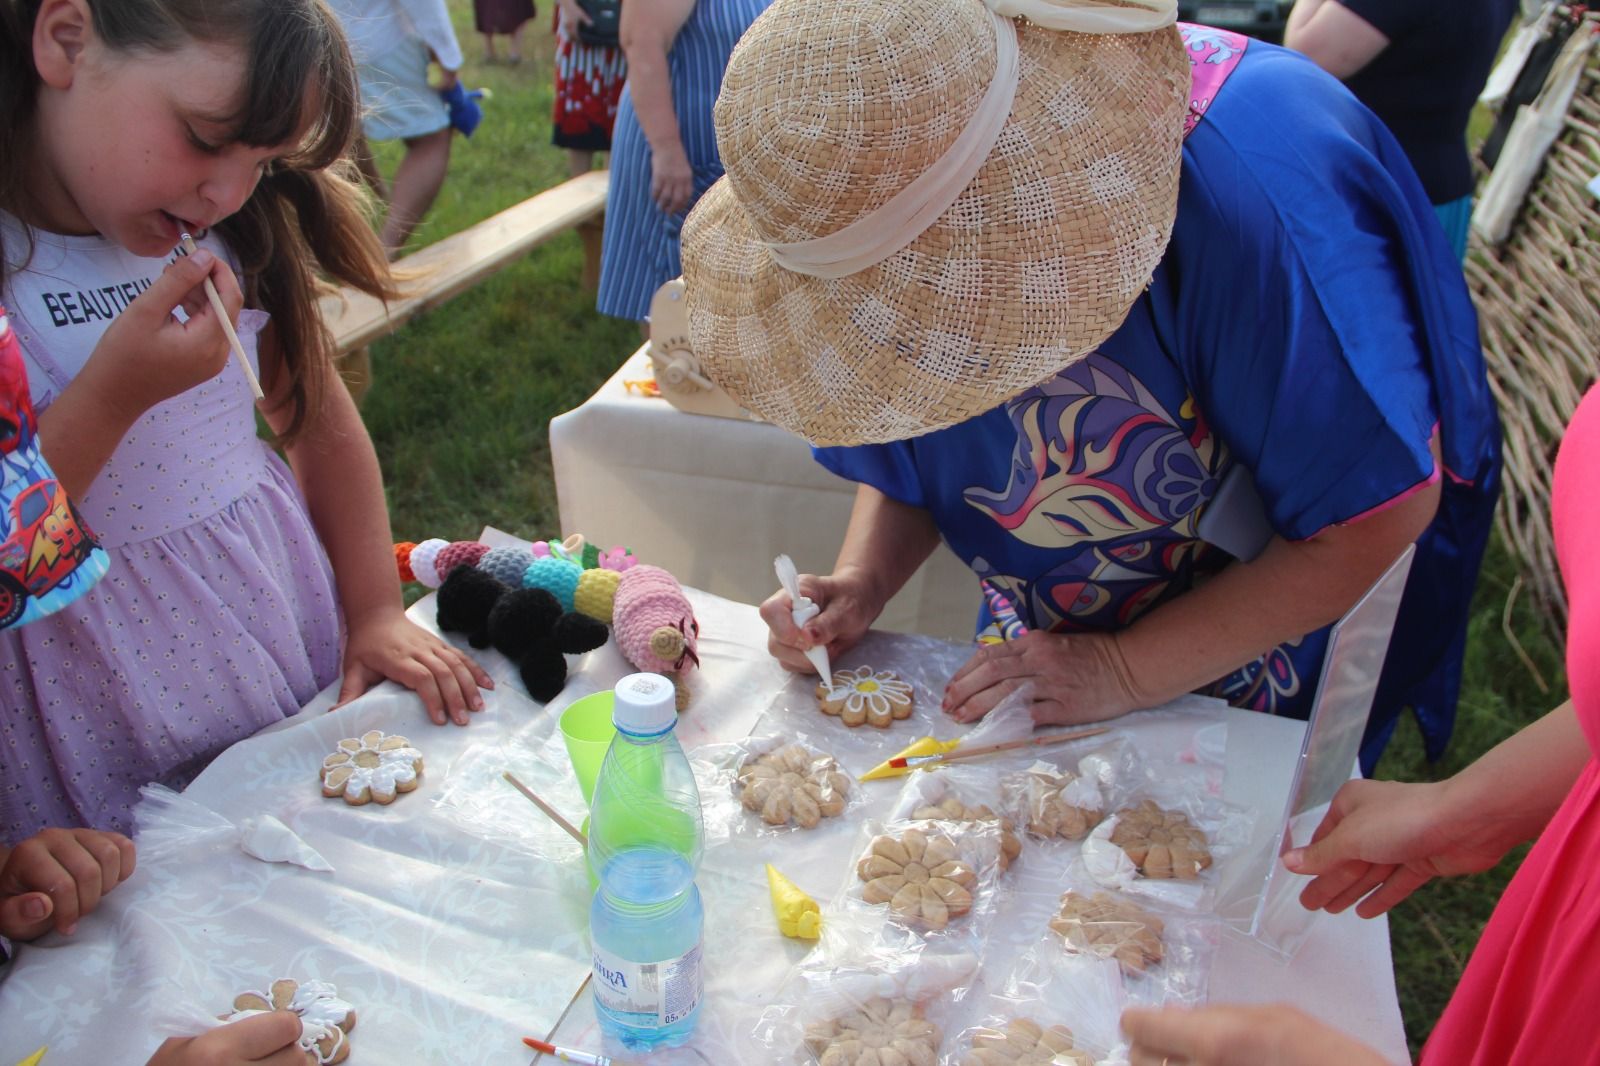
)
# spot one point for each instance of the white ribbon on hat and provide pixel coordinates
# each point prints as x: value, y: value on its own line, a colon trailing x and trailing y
x: 872, y: 238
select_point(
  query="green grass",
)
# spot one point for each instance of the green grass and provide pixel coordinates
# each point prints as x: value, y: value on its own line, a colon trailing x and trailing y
x: 463, y: 395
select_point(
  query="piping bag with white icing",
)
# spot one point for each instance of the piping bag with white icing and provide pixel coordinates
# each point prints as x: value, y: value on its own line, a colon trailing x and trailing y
x: 167, y: 823
x: 804, y: 611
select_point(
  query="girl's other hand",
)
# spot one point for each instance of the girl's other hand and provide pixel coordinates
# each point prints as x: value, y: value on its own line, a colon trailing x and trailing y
x: 1076, y: 679
x: 56, y: 877
x: 389, y: 645
x: 848, y: 606
x: 1382, y: 840
x: 671, y: 178
x: 1239, y: 1036
x: 147, y: 355
x: 268, y: 1039
x: 572, y: 16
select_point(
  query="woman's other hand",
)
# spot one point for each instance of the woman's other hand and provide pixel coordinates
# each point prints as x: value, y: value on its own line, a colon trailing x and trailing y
x: 1076, y: 678
x: 671, y: 178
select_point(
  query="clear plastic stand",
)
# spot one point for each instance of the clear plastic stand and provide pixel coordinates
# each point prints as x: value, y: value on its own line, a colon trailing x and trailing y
x: 1357, y: 647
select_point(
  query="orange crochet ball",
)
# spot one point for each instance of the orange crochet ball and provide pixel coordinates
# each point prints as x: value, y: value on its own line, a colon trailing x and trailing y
x: 402, y: 559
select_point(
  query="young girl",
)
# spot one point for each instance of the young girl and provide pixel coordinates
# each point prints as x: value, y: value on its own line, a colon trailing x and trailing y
x: 234, y: 594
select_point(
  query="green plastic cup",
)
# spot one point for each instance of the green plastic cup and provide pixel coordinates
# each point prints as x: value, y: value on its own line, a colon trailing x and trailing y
x: 587, y: 729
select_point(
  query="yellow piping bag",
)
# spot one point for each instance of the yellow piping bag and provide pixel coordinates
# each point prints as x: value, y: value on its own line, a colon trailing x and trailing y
x: 924, y: 746
x: 797, y: 913
x: 34, y: 1059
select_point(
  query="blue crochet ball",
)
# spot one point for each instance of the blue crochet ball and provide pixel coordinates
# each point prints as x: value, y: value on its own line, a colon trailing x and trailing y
x: 559, y: 577
x: 506, y: 564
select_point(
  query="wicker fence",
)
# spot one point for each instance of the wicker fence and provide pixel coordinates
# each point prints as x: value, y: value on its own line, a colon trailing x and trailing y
x: 1538, y: 299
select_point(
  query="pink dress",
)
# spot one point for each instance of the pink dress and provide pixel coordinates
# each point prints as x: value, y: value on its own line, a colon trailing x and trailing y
x: 1531, y: 993
x: 219, y: 613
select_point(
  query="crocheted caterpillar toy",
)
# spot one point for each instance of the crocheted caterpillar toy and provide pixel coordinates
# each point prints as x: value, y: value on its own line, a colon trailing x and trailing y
x: 651, y: 617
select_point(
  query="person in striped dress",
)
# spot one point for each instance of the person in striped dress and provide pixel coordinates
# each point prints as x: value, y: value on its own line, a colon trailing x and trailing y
x: 664, y: 149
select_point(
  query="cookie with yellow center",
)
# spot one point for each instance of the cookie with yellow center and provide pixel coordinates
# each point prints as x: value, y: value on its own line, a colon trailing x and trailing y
x: 865, y: 696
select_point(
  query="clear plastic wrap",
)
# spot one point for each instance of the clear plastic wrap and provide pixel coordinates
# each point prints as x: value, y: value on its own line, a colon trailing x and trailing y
x: 960, y: 798
x: 779, y: 784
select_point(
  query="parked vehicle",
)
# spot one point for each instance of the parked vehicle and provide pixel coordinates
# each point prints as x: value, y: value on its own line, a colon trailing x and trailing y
x: 1264, y: 19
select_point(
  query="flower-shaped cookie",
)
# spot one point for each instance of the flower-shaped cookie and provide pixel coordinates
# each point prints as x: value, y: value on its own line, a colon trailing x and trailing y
x: 1161, y: 843
x: 951, y: 809
x: 373, y: 766
x: 792, y: 784
x: 919, y: 877
x: 876, y: 697
x: 1061, y: 805
x: 325, y: 1019
x: 1024, y: 1043
x: 1111, y: 928
x: 882, y: 1032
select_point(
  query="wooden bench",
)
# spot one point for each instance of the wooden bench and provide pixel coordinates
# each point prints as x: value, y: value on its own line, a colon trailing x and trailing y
x: 458, y: 262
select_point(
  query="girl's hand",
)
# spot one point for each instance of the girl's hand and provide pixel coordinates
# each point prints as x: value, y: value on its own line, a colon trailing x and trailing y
x: 1077, y: 678
x: 671, y: 178
x: 1382, y: 840
x: 268, y: 1039
x: 1239, y: 1036
x: 848, y: 605
x: 147, y: 355
x: 572, y: 16
x: 57, y: 877
x: 387, y: 644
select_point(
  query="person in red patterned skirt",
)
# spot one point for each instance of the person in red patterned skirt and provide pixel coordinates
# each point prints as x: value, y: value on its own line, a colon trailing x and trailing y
x: 589, y: 79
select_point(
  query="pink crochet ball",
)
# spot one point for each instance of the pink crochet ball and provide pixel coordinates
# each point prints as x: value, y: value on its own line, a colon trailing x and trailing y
x: 653, y: 622
x: 461, y: 553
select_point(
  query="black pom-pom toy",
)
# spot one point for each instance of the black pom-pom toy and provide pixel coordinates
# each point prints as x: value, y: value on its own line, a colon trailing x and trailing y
x: 526, y: 625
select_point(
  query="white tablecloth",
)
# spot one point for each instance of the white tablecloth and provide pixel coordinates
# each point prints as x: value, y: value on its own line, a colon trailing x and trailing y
x: 716, y: 499
x: 455, y: 920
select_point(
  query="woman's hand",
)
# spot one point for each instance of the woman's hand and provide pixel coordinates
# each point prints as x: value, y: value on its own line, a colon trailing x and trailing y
x: 671, y: 178
x: 1382, y: 840
x: 1076, y: 678
x: 387, y: 644
x: 146, y: 355
x: 849, y: 604
x: 268, y: 1039
x: 56, y: 877
x: 1239, y: 1036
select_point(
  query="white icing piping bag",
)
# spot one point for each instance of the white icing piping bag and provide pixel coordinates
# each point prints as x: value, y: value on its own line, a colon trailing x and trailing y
x: 804, y: 611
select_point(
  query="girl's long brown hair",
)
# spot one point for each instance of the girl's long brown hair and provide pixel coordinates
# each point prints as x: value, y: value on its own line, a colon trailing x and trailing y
x: 307, y: 218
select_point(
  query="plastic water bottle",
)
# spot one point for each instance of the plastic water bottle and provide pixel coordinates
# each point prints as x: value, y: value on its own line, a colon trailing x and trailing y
x: 645, y: 840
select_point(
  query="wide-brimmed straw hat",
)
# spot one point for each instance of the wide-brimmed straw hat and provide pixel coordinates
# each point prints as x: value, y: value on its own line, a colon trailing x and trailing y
x: 929, y: 205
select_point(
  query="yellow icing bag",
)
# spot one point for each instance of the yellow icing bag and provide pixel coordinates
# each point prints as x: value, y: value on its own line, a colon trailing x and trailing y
x: 34, y: 1059
x: 797, y: 913
x: 924, y: 746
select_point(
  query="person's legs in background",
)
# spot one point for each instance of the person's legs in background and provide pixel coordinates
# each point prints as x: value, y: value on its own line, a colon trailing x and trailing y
x: 416, y: 183
x: 488, y: 49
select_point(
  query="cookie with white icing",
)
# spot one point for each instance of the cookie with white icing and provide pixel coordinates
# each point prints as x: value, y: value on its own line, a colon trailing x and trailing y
x: 374, y: 766
x: 865, y: 696
x: 325, y: 1019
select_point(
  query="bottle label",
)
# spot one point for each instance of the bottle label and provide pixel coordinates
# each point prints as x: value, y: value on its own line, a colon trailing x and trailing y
x: 669, y: 990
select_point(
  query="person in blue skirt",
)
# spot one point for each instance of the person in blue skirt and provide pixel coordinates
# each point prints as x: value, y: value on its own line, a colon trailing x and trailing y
x: 664, y: 150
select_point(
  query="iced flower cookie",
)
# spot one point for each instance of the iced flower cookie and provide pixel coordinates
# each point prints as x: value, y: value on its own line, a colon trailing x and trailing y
x: 883, y: 1032
x: 1025, y: 1043
x: 793, y: 784
x: 865, y: 695
x: 1111, y: 928
x: 1161, y: 843
x: 374, y: 766
x: 325, y: 1019
x: 919, y: 876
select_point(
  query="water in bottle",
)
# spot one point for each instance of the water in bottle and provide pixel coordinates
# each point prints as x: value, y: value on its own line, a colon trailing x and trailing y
x: 645, y: 839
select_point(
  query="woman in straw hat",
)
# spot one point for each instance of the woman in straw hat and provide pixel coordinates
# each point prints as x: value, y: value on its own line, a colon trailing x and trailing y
x: 1153, y: 326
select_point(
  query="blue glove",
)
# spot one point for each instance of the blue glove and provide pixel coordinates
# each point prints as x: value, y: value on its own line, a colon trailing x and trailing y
x: 465, y: 114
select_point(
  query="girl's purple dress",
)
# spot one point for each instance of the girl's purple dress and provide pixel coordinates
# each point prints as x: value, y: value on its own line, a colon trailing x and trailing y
x: 218, y: 616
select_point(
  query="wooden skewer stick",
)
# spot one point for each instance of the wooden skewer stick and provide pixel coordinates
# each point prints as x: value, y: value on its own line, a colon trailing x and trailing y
x: 990, y: 749
x: 572, y: 831
x: 227, y: 324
